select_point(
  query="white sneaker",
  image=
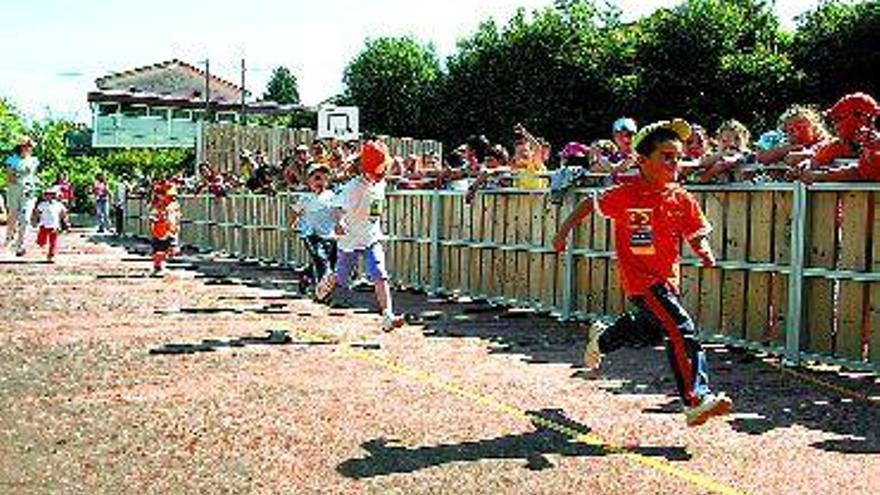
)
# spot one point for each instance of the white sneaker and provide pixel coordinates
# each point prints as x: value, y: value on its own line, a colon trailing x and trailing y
x: 712, y: 405
x: 325, y: 287
x: 391, y: 321
x: 592, y: 354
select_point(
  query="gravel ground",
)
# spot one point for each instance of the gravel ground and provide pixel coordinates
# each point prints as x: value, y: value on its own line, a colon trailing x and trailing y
x: 107, y: 385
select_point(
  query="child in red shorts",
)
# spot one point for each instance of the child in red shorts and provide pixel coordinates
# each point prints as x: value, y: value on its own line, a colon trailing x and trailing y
x: 651, y: 214
x: 165, y: 219
x: 50, y: 215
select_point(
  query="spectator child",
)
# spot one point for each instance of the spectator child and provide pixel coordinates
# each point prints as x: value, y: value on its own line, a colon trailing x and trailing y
x: 491, y: 175
x: 732, y: 152
x: 165, y: 220
x: 358, y: 208
x: 804, y: 134
x: 317, y: 222
x: 651, y: 215
x: 49, y: 216
x: 529, y: 160
x: 854, y: 118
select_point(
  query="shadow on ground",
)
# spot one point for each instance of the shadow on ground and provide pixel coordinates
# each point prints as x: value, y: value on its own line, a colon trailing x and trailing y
x: 384, y: 457
x: 765, y: 397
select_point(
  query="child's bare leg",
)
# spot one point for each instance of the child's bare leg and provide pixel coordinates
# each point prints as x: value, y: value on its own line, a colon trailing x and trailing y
x: 383, y: 296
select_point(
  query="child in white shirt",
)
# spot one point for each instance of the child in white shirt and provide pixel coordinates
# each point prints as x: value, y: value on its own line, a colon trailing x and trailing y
x: 317, y: 221
x: 359, y: 213
x: 49, y: 216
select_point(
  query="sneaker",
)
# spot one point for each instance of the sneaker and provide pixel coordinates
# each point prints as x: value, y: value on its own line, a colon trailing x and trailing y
x: 158, y: 273
x: 711, y: 405
x: 391, y: 321
x: 325, y: 287
x: 592, y: 354
x: 20, y: 253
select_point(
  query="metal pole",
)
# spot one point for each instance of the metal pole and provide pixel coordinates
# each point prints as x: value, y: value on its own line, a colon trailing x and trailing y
x: 568, y: 275
x: 794, y: 318
x: 207, y: 90
x: 435, y: 242
x: 243, y: 118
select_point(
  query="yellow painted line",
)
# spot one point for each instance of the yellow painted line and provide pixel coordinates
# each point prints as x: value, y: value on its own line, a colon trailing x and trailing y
x: 828, y: 385
x: 591, y: 439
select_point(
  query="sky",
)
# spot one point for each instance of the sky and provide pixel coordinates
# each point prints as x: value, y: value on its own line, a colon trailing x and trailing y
x: 52, y: 53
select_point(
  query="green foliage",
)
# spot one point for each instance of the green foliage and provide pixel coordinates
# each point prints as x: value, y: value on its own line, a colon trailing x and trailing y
x: 838, y: 46
x: 567, y: 71
x: 392, y: 80
x: 282, y: 87
x: 12, y: 128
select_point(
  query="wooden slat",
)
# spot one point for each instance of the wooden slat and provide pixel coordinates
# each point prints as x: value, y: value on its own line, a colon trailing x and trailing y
x: 779, y: 314
x: 733, y: 303
x: 498, y: 274
x: 690, y: 290
x: 536, y: 277
x: 822, y: 232
x: 874, y: 336
x: 848, y: 342
x: 511, y: 218
x: 714, y: 210
x: 854, y: 245
x: 710, y: 299
x: 819, y: 313
x: 737, y: 227
x: 523, y: 237
x: 549, y: 266
x: 758, y: 307
x: 782, y: 222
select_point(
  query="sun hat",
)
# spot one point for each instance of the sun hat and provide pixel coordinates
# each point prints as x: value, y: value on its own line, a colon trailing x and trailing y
x: 854, y: 102
x: 679, y: 126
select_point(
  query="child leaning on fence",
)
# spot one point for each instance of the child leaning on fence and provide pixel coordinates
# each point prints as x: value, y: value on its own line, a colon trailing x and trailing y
x: 651, y: 215
x: 359, y: 208
x: 317, y: 222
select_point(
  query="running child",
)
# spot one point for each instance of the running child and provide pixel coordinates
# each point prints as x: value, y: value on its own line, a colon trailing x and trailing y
x: 317, y: 221
x: 358, y: 208
x: 50, y: 216
x: 651, y: 215
x: 165, y: 219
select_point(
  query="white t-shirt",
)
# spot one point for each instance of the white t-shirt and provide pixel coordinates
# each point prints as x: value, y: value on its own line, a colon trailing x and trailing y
x: 50, y: 214
x: 317, y: 214
x: 362, y: 204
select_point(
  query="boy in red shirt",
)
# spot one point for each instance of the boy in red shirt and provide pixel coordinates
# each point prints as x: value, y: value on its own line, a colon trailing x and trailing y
x: 165, y: 219
x: 651, y: 214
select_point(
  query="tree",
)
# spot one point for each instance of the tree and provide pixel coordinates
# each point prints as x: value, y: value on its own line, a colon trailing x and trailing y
x: 282, y: 87
x: 392, y: 81
x: 838, y: 45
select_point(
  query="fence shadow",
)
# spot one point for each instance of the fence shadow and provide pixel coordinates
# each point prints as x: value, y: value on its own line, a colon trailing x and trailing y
x: 384, y: 457
x: 765, y: 398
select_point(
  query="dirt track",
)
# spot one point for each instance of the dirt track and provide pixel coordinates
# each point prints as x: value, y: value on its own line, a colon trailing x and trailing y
x: 445, y: 405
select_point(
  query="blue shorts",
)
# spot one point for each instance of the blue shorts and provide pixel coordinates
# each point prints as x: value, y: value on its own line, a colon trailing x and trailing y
x: 375, y: 261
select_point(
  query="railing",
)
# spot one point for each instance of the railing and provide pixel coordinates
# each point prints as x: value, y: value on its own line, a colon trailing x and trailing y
x: 797, y: 272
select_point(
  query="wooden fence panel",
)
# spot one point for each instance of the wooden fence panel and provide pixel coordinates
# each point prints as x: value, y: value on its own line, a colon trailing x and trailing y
x: 819, y: 303
x: 853, y: 324
x: 760, y: 250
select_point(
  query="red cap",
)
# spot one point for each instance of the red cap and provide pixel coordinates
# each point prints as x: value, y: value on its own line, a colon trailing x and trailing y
x: 855, y: 102
x: 374, y: 157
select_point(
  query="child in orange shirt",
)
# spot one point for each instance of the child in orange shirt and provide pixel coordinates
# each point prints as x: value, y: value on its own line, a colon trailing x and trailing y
x: 165, y: 219
x: 651, y: 214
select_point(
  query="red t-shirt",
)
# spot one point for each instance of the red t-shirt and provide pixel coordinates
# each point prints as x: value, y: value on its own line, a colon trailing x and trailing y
x: 648, y: 226
x: 832, y: 150
x: 869, y: 165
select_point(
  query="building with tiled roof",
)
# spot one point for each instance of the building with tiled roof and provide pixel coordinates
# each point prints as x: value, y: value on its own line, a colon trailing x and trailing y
x: 164, y: 104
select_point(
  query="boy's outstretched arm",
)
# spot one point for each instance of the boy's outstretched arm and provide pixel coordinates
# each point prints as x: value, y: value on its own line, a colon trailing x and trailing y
x: 582, y: 211
x: 700, y: 245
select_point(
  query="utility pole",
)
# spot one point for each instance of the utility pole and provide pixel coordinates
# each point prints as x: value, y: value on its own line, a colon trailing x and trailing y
x: 207, y: 90
x: 243, y: 118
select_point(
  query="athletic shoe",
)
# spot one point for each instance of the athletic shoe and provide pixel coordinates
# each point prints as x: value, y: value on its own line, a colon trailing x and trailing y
x: 325, y: 287
x: 710, y: 406
x: 592, y: 354
x: 391, y: 321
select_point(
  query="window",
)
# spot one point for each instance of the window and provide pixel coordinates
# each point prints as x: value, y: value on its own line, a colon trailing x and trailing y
x: 105, y: 109
x: 227, y: 117
x: 130, y: 110
x: 162, y: 113
x: 181, y: 114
